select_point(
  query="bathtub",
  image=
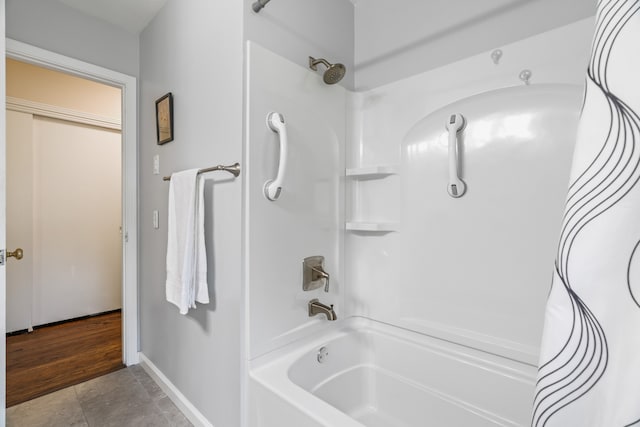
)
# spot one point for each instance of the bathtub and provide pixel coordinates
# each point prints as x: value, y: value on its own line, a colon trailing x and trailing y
x: 360, y: 372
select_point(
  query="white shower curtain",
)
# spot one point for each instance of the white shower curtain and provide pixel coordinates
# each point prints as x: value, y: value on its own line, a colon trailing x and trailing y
x: 589, y: 373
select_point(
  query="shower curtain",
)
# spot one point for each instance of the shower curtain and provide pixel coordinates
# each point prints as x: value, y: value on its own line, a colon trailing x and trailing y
x: 589, y: 372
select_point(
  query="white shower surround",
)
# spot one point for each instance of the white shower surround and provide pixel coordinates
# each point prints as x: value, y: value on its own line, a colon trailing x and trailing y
x: 376, y: 284
x: 379, y: 284
x: 306, y: 218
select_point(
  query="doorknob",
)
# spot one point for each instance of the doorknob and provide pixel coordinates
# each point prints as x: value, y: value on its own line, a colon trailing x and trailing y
x: 17, y: 254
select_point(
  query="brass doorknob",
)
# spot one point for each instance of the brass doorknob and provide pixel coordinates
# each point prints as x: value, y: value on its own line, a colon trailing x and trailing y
x: 17, y: 254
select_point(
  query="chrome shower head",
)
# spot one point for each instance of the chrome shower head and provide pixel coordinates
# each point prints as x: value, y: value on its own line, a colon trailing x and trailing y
x: 334, y: 72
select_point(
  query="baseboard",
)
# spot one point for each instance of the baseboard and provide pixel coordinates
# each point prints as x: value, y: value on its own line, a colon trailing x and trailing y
x: 62, y: 322
x: 187, y: 408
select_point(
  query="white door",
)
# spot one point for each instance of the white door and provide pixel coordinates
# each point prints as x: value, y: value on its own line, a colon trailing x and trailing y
x: 77, y: 220
x: 19, y: 193
x: 64, y: 211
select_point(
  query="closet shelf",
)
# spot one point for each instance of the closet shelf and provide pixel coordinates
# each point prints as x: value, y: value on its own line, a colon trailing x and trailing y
x: 372, y: 172
x: 371, y: 226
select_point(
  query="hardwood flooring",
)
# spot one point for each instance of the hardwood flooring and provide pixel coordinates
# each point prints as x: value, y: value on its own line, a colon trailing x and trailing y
x: 54, y: 357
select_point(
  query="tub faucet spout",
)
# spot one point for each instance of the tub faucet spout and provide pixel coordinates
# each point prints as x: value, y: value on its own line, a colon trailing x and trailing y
x: 316, y: 307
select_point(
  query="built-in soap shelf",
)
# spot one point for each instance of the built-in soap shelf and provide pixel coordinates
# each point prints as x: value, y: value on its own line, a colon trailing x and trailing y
x: 365, y: 174
x: 380, y: 227
x: 372, y: 172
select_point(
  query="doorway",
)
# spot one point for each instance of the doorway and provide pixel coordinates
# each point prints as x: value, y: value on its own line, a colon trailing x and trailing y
x: 128, y: 239
x: 64, y: 198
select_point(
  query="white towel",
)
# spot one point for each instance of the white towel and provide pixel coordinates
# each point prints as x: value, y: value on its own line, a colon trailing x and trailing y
x: 186, y: 253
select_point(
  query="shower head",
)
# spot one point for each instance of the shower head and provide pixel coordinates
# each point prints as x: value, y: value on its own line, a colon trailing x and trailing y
x: 259, y: 5
x: 334, y: 72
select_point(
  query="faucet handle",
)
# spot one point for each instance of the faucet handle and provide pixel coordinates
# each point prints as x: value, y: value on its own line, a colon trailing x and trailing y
x: 313, y: 274
x: 319, y: 275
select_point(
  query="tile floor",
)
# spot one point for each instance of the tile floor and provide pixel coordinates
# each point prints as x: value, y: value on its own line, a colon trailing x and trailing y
x: 128, y: 397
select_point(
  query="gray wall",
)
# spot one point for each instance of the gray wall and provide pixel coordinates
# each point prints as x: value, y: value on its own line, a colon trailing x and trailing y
x: 399, y: 38
x: 297, y: 29
x: 53, y: 26
x: 194, y: 50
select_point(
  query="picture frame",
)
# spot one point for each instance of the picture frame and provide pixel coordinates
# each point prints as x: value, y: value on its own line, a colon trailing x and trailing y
x: 164, y: 119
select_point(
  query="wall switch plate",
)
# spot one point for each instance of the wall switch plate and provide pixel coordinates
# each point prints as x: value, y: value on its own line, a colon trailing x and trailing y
x: 156, y: 164
x: 156, y: 219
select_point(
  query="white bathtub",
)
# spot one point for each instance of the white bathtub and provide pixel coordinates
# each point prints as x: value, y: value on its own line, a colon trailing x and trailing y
x: 378, y: 375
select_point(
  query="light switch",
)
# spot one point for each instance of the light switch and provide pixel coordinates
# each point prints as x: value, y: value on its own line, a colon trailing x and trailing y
x: 156, y: 164
x: 156, y: 219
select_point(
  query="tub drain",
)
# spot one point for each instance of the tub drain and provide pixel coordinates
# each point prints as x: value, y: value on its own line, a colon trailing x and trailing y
x: 323, y: 353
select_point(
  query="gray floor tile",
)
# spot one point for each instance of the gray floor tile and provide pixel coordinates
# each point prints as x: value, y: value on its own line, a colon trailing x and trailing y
x: 172, y: 413
x: 128, y: 397
x: 57, y: 409
x: 137, y: 371
x: 121, y: 415
x: 114, y: 399
x: 152, y: 388
x: 113, y: 383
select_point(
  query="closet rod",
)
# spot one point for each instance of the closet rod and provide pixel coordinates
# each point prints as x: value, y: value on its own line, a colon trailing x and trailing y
x: 233, y: 169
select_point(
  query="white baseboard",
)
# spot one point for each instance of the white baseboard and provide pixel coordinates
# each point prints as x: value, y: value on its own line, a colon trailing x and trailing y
x: 187, y: 408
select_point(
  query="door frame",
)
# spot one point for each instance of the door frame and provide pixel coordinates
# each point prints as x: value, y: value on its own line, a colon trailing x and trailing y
x: 3, y: 222
x: 128, y: 85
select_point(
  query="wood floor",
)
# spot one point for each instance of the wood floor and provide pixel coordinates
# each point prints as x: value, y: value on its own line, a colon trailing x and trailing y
x: 54, y: 357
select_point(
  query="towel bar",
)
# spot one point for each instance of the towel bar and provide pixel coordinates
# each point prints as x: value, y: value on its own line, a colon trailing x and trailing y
x: 233, y: 169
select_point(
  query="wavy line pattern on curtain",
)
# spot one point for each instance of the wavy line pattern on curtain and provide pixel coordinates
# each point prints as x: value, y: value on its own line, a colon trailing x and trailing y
x: 582, y: 360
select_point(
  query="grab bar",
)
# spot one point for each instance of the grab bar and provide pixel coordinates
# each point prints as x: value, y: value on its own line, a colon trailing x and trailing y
x: 456, y: 186
x: 272, y: 188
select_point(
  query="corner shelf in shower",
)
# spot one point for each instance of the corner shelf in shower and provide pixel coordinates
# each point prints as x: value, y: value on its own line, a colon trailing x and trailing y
x: 372, y: 172
x: 380, y: 227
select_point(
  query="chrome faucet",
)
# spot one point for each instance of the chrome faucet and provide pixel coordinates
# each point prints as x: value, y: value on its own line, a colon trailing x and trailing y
x: 316, y: 307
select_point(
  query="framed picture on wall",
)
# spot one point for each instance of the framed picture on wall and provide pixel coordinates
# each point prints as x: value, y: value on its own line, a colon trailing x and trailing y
x: 164, y: 119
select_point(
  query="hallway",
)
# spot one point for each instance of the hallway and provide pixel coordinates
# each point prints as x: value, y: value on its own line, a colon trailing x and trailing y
x: 127, y: 397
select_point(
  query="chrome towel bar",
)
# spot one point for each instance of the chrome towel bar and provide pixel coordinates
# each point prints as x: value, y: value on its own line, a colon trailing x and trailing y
x: 233, y: 169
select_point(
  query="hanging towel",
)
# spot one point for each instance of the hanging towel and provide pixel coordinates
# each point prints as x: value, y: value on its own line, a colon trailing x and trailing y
x: 186, y: 253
